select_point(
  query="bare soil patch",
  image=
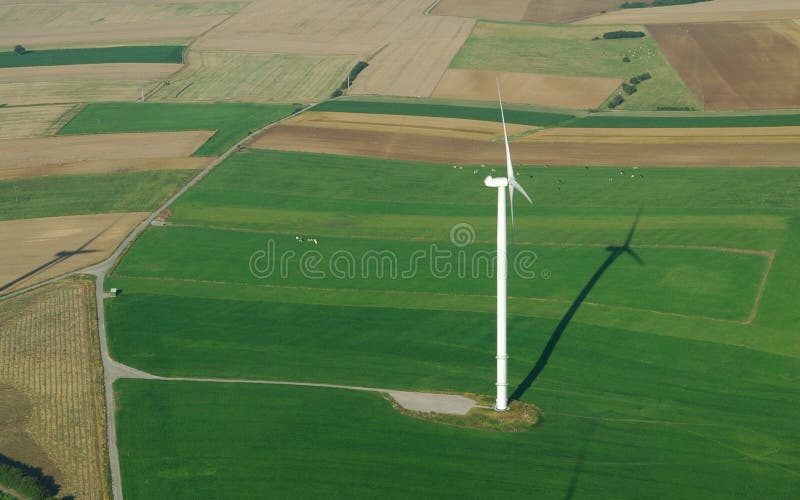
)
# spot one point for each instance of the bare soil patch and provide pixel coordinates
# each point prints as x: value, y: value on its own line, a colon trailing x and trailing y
x: 729, y: 135
x: 527, y: 88
x: 452, y: 150
x: 52, y: 412
x: 105, y: 167
x: 736, y: 66
x: 35, y: 152
x: 705, y: 12
x: 422, y: 125
x: 33, y: 250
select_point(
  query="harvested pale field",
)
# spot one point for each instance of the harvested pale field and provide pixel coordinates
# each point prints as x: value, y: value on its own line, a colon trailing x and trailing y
x: 527, y: 88
x: 105, y: 167
x: 464, y: 151
x: 704, y: 12
x: 80, y: 82
x: 736, y: 66
x: 535, y: 11
x: 729, y: 135
x: 52, y: 411
x: 29, y: 121
x: 34, y: 152
x: 421, y: 125
x: 230, y: 76
x: 33, y: 250
x: 54, y: 25
x: 411, y: 50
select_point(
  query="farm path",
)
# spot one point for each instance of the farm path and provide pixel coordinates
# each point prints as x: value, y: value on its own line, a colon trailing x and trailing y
x: 113, y: 370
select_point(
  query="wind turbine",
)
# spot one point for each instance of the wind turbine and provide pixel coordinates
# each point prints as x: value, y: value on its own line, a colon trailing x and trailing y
x: 501, y: 183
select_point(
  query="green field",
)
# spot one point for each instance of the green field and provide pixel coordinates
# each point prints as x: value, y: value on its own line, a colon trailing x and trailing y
x: 239, y: 441
x: 95, y: 55
x: 232, y: 121
x: 474, y: 112
x: 88, y: 194
x: 226, y: 76
x: 571, y: 51
x: 637, y: 360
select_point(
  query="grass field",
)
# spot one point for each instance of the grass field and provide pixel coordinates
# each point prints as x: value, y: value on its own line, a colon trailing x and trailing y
x: 98, y: 55
x: 88, y: 194
x: 638, y: 367
x: 232, y: 121
x: 426, y: 108
x: 594, y: 442
x: 571, y: 51
x: 226, y: 76
x: 53, y: 413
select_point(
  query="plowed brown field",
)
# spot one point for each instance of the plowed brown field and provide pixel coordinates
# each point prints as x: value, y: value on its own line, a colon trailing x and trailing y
x: 527, y: 88
x: 105, y: 167
x: 34, y: 152
x: 736, y: 65
x: 555, y: 152
x: 52, y: 412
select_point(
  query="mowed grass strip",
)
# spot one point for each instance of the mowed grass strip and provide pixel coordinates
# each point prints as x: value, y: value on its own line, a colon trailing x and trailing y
x: 232, y: 121
x: 88, y: 194
x: 94, y: 55
x: 354, y: 444
x: 483, y: 113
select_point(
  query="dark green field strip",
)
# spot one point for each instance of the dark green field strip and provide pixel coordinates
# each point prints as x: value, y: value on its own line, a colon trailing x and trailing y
x: 98, y: 55
x: 232, y: 121
x: 697, y: 121
x: 687, y: 281
x: 354, y: 445
x: 539, y: 118
x: 88, y: 194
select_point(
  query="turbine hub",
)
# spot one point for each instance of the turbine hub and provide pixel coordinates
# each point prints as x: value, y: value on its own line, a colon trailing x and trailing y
x: 495, y: 182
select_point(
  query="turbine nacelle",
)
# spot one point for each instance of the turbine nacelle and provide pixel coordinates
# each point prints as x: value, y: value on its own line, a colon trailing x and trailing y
x: 495, y: 182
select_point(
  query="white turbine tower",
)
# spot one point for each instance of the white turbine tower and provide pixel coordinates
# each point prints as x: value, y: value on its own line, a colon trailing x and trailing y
x: 501, y: 183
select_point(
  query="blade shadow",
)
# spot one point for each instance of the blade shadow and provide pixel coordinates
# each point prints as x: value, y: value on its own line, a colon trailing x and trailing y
x: 59, y: 257
x: 614, y: 253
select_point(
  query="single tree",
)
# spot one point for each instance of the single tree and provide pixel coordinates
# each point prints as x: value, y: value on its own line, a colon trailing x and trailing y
x: 19, y: 49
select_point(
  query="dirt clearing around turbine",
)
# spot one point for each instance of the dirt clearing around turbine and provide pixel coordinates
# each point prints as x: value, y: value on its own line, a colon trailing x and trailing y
x: 526, y: 88
x: 80, y: 82
x: 422, y: 125
x: 32, y: 250
x: 736, y: 66
x: 29, y: 121
x: 33, y: 152
x: 53, y: 413
x: 534, y: 11
x: 45, y: 25
x: 409, y: 51
x: 703, y: 12
x: 557, y: 151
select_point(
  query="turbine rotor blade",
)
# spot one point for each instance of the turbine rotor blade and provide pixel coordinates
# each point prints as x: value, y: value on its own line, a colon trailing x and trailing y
x: 518, y: 187
x: 509, y: 166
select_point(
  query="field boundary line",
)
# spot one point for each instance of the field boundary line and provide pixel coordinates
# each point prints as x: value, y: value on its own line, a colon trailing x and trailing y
x: 761, y: 288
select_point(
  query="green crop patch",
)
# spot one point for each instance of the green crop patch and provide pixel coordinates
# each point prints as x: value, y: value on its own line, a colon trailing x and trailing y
x: 95, y: 55
x: 88, y: 194
x: 485, y: 113
x: 611, y: 429
x: 232, y: 121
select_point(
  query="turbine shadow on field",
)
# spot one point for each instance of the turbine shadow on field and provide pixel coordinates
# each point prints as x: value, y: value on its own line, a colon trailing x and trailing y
x: 614, y: 253
x: 57, y: 259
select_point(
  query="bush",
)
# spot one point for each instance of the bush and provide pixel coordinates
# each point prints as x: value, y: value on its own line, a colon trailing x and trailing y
x: 13, y: 476
x: 19, y: 49
x: 610, y: 35
x: 629, y: 89
x: 616, y: 101
x: 358, y: 68
x: 657, y: 3
x: 626, y: 59
x: 636, y: 80
x: 674, y: 108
